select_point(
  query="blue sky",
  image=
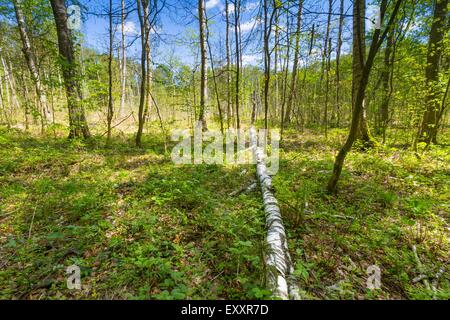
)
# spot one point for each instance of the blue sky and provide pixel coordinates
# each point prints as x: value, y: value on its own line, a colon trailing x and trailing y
x: 177, y: 27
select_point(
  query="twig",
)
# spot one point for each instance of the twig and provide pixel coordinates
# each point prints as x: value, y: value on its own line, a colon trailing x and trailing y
x: 32, y: 221
x: 435, y: 282
x: 118, y: 124
x: 248, y: 188
x: 420, y: 268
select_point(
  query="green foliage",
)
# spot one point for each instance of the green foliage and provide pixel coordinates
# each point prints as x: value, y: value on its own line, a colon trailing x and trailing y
x: 138, y: 226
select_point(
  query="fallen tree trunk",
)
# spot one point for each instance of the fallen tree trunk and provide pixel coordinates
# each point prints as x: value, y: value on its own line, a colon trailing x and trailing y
x: 278, y: 260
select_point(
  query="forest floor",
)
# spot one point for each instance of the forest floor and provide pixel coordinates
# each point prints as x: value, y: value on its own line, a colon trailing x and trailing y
x: 141, y: 227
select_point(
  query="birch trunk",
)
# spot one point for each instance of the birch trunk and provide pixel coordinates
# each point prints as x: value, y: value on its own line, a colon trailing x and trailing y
x: 2, y: 105
x: 292, y: 92
x: 203, y: 67
x: 110, y: 85
x: 70, y: 69
x: 338, y: 60
x: 227, y: 44
x: 237, y: 14
x: 124, y: 63
x: 278, y: 260
x: 31, y: 61
x: 9, y: 82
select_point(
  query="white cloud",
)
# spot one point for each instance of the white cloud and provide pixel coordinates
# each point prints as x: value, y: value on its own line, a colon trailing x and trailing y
x: 249, y: 25
x: 250, y: 59
x: 250, y: 6
x: 372, y: 13
x: 212, y: 4
x: 130, y: 28
x: 230, y: 8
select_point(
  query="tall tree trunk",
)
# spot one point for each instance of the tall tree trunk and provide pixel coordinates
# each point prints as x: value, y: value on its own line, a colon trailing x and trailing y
x: 13, y: 100
x: 203, y: 64
x: 268, y: 22
x: 237, y: 13
x: 227, y: 44
x: 338, y: 63
x: 110, y: 75
x: 359, y: 53
x: 31, y: 61
x: 77, y: 119
x: 385, y: 78
x: 327, y: 86
x: 327, y: 51
x: 124, y: 63
x: 149, y: 81
x: 276, y: 58
x: 143, y: 13
x: 2, y: 105
x: 377, y: 40
x: 439, y: 30
x: 285, y: 72
x: 216, y: 89
x: 292, y: 92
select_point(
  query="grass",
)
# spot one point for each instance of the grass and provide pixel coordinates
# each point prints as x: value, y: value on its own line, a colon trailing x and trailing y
x: 142, y: 228
x: 138, y: 226
x: 388, y: 201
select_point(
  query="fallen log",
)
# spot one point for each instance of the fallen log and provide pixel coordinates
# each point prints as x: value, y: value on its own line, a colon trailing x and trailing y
x: 278, y: 260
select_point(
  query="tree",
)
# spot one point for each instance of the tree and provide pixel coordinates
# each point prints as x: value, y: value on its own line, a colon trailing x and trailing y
x: 203, y: 63
x: 31, y: 61
x: 77, y: 119
x: 293, y: 86
x: 367, y: 65
x: 359, y: 53
x: 386, y: 76
x: 110, y: 74
x: 124, y: 62
x: 216, y: 89
x: 327, y: 55
x: 338, y: 63
x: 227, y: 44
x: 268, y: 23
x: 237, y: 14
x: 436, y: 44
x: 144, y: 91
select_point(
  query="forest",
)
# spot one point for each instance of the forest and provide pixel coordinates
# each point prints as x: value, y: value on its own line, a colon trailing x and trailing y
x: 224, y: 149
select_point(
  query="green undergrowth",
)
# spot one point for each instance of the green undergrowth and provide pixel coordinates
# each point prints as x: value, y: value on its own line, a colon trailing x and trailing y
x: 388, y: 201
x: 140, y: 227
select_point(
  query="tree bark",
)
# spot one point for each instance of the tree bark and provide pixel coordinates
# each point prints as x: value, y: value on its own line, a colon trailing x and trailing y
x: 31, y: 61
x: 360, y: 94
x: 268, y: 22
x: 327, y: 51
x: 278, y: 260
x: 77, y: 119
x: 293, y: 89
x: 237, y: 13
x: 124, y: 63
x: 216, y: 89
x: 338, y: 64
x: 385, y: 78
x: 227, y: 44
x: 203, y: 64
x: 359, y: 50
x: 110, y: 86
x: 143, y: 14
x: 439, y: 30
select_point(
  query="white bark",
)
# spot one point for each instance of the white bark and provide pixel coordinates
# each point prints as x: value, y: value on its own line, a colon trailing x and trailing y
x: 124, y: 64
x: 278, y: 260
